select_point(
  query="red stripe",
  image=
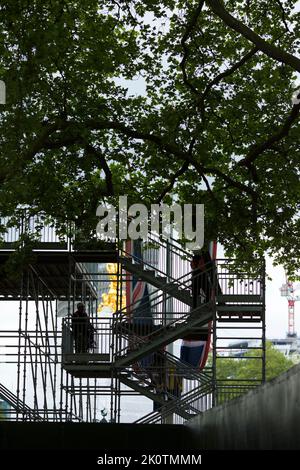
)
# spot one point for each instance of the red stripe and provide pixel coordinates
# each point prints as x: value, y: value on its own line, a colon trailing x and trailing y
x: 138, y: 292
x: 208, y: 342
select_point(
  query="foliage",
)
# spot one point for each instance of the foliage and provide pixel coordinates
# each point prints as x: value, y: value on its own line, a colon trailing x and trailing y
x: 247, y: 369
x: 215, y: 124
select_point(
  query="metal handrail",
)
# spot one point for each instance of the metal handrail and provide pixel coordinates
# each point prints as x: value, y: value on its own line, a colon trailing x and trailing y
x: 161, y: 294
x: 161, y: 240
x: 143, y: 263
x: 185, y: 400
x: 163, y: 328
x: 171, y: 407
x: 18, y: 404
x: 31, y: 224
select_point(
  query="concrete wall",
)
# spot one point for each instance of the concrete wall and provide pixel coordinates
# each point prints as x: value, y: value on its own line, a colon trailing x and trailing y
x: 84, y: 436
x: 266, y: 418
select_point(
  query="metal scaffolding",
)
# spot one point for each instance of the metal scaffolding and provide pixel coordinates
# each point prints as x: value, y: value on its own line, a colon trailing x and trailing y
x: 132, y: 351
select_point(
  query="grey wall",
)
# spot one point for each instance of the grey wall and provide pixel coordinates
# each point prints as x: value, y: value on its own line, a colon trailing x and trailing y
x: 266, y: 418
x: 97, y: 436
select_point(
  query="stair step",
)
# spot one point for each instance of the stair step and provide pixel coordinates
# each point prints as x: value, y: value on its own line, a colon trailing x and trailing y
x: 239, y: 298
x: 85, y: 357
x: 241, y: 319
x: 149, y: 272
x: 162, y: 279
x: 239, y: 308
x: 157, y: 397
x: 99, y: 370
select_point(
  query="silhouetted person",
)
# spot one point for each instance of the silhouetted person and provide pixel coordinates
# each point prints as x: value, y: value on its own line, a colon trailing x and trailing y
x: 158, y: 377
x: 82, y: 330
x: 201, y: 278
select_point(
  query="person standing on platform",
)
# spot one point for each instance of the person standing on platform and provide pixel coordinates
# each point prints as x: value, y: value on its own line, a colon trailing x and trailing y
x: 82, y: 329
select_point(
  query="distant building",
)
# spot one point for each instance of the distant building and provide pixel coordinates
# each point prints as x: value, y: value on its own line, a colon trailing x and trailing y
x: 289, y: 347
x: 239, y: 348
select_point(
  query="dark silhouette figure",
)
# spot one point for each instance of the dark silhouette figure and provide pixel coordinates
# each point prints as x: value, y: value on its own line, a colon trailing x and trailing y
x: 201, y: 265
x: 158, y: 377
x: 83, y: 331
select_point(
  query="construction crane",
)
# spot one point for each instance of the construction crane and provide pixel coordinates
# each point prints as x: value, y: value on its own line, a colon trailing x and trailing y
x: 288, y: 290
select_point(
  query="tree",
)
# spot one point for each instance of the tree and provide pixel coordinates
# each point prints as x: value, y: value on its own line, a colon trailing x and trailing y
x: 215, y: 125
x: 250, y: 369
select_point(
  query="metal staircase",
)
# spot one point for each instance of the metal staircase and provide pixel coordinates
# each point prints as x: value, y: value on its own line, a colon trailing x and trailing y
x: 164, y: 264
x: 238, y: 301
x: 18, y: 405
x: 186, y: 405
x: 180, y: 289
x: 186, y: 401
x: 146, y: 340
x: 164, y: 335
x: 140, y: 332
x: 137, y: 339
x: 149, y: 391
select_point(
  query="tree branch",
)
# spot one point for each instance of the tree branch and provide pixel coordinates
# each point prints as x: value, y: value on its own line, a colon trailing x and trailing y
x: 233, y: 183
x: 189, y: 28
x: 158, y: 140
x: 216, y: 172
x: 229, y: 72
x: 209, y: 190
x: 108, y: 175
x: 276, y: 53
x: 42, y: 138
x: 277, y: 136
x: 283, y: 15
x: 172, y: 181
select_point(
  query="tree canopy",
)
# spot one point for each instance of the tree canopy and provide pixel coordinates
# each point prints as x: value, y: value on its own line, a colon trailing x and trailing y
x: 214, y: 123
